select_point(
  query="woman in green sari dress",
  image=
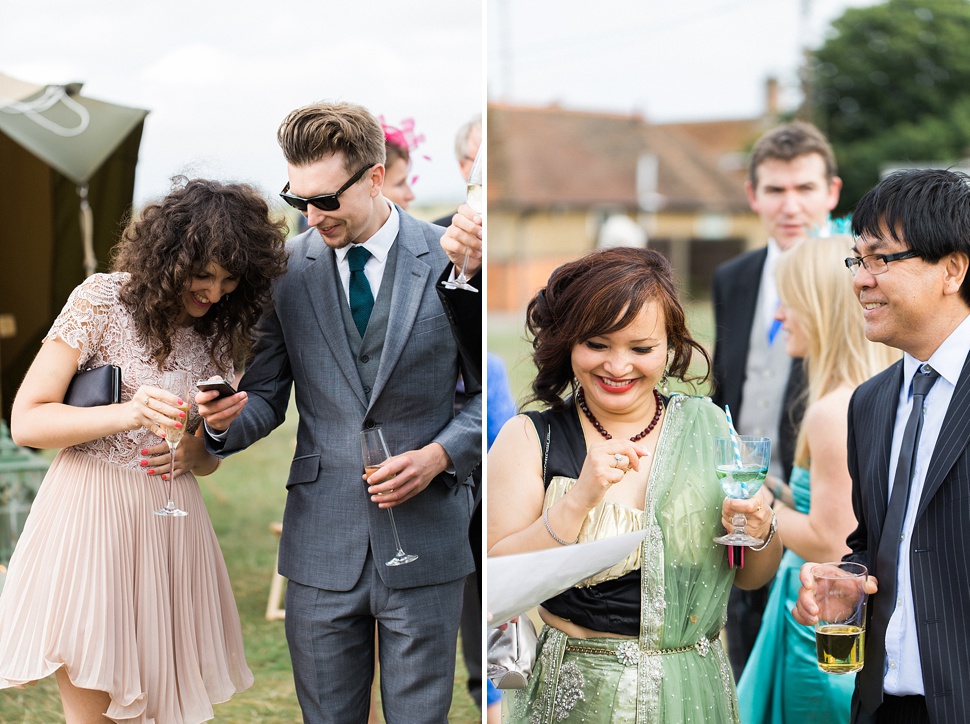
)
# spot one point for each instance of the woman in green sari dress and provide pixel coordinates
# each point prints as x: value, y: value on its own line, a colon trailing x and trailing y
x: 640, y: 641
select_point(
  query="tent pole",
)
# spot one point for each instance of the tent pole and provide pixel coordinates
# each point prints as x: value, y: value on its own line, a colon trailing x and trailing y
x: 87, y: 231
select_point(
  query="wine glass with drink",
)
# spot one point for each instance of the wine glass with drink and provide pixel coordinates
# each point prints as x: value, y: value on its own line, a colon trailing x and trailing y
x: 474, y: 197
x: 375, y: 452
x: 741, y: 462
x: 178, y: 383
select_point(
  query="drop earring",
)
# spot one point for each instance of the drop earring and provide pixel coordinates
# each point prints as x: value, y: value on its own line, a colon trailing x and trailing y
x: 663, y: 385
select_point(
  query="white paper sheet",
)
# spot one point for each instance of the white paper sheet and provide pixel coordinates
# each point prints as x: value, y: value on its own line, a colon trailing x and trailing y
x: 520, y: 581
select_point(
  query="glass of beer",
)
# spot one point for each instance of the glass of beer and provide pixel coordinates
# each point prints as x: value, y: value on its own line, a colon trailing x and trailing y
x: 840, y: 633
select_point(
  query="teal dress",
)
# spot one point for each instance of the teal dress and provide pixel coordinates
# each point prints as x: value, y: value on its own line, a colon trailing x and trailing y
x: 781, y: 682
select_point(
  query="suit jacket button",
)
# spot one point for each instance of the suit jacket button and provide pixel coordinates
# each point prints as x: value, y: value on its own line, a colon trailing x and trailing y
x: 366, y: 389
x: 365, y: 358
x: 370, y: 424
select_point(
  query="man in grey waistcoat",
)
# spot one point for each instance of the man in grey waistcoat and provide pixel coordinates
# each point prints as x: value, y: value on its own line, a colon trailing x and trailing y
x: 358, y: 329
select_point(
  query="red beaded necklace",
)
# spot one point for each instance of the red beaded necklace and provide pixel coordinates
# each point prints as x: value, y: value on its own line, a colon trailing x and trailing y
x: 581, y: 401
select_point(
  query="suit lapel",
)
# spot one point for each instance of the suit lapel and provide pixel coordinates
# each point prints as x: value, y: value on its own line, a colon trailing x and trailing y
x: 953, y: 439
x: 410, y: 283
x: 881, y: 418
x: 323, y: 290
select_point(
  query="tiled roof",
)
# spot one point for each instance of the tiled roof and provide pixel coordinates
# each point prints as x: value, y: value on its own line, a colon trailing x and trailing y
x: 549, y: 157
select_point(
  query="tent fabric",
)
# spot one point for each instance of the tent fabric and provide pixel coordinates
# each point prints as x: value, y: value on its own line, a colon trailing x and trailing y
x: 41, y: 241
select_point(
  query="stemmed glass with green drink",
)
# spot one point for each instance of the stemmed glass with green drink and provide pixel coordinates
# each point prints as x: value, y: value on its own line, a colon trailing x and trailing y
x: 741, y: 462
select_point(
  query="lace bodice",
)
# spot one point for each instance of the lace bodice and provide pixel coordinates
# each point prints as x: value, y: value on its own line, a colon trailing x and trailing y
x: 95, y: 322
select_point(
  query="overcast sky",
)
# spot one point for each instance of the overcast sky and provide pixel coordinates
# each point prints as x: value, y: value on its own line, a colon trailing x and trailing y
x: 219, y: 76
x: 669, y: 61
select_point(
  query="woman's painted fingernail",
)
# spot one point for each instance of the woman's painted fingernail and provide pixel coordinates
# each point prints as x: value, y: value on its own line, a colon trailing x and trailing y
x: 180, y: 402
x: 165, y: 477
x: 145, y: 451
x: 144, y: 463
x: 151, y: 472
x: 181, y: 414
x: 178, y: 425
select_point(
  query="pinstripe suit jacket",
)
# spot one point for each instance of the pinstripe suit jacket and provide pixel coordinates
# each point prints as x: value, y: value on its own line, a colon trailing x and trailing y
x: 939, y: 550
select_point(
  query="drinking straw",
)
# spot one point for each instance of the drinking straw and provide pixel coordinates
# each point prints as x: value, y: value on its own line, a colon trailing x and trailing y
x: 735, y: 442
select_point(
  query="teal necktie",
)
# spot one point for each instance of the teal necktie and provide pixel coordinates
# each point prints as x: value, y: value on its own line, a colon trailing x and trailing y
x: 361, y: 297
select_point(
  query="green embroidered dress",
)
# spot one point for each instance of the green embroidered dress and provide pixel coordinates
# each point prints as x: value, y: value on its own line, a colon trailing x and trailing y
x: 677, y: 671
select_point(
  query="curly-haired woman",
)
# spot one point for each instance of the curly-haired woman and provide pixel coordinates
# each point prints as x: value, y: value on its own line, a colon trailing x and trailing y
x: 132, y: 612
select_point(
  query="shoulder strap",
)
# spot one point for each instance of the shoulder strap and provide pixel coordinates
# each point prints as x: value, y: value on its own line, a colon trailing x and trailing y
x: 544, y: 431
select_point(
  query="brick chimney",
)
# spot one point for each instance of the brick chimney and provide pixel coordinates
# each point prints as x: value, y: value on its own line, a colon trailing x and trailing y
x: 772, y: 92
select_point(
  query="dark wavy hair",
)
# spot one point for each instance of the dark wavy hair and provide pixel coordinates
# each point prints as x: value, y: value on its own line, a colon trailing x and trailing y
x: 599, y: 294
x: 175, y: 238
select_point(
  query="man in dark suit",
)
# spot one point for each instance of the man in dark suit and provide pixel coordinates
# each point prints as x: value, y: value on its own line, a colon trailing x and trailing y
x: 357, y: 327
x: 792, y: 185
x: 911, y: 468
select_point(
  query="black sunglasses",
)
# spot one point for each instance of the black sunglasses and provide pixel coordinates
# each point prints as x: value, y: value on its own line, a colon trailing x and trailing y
x: 324, y: 202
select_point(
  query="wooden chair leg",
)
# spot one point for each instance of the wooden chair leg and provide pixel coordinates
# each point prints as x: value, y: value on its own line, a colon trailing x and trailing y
x: 274, y: 606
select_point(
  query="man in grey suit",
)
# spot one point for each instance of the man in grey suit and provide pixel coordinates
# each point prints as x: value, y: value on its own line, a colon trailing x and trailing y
x: 359, y: 363
x: 911, y: 467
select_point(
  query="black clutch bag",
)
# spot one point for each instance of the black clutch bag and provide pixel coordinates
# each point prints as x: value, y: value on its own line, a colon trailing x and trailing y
x: 93, y: 387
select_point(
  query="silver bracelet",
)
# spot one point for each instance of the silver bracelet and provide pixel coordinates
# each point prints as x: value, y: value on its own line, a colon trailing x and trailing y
x: 771, y: 533
x: 560, y: 541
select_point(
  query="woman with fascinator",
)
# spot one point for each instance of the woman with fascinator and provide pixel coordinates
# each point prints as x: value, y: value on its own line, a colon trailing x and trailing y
x: 611, y: 453
x: 398, y: 144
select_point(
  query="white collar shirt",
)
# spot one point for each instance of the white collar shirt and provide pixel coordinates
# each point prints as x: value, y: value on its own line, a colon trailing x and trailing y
x: 903, y: 676
x: 379, y: 246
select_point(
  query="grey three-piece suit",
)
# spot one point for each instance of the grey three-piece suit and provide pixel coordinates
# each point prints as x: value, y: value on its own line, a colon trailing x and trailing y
x: 400, y: 376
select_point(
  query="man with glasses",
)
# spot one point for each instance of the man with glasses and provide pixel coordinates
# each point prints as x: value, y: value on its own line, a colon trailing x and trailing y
x: 909, y: 451
x: 358, y: 328
x: 792, y: 185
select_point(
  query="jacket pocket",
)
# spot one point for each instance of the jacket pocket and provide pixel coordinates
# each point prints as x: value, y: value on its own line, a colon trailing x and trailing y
x: 304, y: 469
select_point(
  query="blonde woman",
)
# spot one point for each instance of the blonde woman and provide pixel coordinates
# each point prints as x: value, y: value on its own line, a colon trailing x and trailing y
x: 819, y: 312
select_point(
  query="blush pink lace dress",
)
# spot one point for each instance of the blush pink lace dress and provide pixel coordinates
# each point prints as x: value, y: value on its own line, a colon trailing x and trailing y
x: 128, y: 602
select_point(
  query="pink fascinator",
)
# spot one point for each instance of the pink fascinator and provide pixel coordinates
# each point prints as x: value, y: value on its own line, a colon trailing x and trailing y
x: 403, y: 136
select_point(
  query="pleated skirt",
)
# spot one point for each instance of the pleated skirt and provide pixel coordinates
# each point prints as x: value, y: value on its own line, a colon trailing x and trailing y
x: 128, y: 602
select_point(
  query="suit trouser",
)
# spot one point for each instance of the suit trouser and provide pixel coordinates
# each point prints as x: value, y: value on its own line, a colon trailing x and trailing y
x: 331, y: 640
x: 471, y: 612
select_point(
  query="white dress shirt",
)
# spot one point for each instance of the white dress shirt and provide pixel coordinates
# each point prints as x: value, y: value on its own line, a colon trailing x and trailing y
x: 904, y: 675
x: 379, y: 246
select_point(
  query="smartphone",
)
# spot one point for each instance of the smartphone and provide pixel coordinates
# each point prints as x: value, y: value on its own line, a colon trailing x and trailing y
x: 223, y: 386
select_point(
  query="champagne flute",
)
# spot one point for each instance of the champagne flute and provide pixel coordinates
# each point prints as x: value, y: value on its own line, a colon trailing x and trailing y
x: 178, y: 383
x: 741, y: 463
x: 375, y: 453
x: 474, y: 197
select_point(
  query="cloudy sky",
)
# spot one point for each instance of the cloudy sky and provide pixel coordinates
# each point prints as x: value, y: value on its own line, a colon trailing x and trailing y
x: 219, y: 76
x: 669, y: 61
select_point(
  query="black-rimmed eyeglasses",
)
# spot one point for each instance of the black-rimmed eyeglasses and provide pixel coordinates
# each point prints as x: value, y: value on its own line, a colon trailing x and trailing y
x: 876, y: 263
x: 324, y: 202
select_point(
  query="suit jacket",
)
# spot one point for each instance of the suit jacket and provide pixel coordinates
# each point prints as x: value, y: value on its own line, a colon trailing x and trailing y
x: 464, y: 310
x: 329, y: 520
x: 734, y: 291
x: 939, y: 550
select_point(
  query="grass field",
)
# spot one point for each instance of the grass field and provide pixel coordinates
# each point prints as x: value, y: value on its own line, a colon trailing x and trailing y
x: 244, y: 496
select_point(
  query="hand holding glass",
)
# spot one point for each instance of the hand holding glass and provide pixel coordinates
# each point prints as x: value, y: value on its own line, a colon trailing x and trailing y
x: 375, y: 453
x: 475, y: 199
x: 178, y: 383
x: 840, y: 632
x: 742, y: 463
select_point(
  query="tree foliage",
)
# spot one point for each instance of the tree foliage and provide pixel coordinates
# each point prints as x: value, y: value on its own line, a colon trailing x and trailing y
x: 891, y: 85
